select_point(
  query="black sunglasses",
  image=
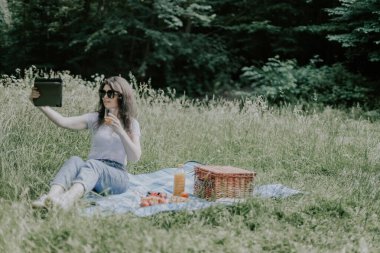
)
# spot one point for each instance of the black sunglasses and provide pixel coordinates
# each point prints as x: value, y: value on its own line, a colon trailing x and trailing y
x: 109, y: 93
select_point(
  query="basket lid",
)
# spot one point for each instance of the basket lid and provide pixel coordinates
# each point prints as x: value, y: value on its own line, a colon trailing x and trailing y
x: 224, y: 169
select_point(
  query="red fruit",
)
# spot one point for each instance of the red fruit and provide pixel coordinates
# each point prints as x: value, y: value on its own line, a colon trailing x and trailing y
x: 144, y: 203
x: 162, y: 201
x: 184, y: 195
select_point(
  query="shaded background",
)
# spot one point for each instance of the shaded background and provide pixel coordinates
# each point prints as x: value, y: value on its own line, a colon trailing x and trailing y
x: 325, y: 51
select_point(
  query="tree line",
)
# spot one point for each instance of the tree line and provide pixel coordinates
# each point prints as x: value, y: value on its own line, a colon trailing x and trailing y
x: 284, y: 50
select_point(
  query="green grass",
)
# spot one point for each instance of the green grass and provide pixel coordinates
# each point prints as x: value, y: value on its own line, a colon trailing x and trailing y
x: 332, y: 155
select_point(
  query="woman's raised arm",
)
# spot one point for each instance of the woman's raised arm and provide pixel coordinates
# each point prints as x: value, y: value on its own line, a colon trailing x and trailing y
x: 75, y: 123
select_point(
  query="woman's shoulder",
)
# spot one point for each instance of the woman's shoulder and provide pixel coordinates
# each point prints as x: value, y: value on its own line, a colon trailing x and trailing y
x: 134, y: 121
x: 135, y: 126
x: 91, y: 119
x: 92, y: 114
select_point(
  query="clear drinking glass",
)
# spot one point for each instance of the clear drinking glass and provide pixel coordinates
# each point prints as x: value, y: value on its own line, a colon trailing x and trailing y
x: 107, y: 121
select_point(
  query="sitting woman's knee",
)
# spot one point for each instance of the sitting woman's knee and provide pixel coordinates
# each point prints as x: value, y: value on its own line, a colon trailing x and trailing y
x: 75, y: 160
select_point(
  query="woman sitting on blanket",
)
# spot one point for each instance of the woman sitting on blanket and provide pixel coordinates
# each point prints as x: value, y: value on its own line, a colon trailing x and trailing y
x: 115, y: 139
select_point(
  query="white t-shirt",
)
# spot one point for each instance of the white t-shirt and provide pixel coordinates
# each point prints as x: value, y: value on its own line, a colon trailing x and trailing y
x: 106, y: 144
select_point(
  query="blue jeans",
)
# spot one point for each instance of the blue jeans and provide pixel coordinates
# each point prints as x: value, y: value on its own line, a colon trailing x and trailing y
x: 93, y: 175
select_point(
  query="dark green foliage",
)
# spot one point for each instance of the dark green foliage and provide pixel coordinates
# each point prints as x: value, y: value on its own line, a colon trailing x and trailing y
x: 201, y: 46
x: 257, y: 30
x: 286, y: 81
x: 357, y: 27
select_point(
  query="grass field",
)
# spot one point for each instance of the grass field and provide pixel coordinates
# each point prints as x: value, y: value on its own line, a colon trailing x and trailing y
x: 331, y: 154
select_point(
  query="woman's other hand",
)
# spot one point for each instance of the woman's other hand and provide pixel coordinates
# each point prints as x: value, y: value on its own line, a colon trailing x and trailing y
x: 114, y: 122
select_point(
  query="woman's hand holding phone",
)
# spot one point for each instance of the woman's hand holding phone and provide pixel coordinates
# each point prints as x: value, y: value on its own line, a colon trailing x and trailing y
x: 34, y: 94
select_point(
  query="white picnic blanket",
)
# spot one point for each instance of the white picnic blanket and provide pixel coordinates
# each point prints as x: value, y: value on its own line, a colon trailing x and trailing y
x: 162, y: 181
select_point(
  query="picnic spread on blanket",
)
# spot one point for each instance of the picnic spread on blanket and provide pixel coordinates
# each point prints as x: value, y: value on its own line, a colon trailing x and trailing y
x: 203, y: 186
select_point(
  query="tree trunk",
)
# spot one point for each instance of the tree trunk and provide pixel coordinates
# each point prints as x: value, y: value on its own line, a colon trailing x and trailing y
x: 188, y: 26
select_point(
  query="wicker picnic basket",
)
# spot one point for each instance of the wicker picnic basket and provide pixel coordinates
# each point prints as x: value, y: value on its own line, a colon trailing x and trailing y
x: 214, y: 182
